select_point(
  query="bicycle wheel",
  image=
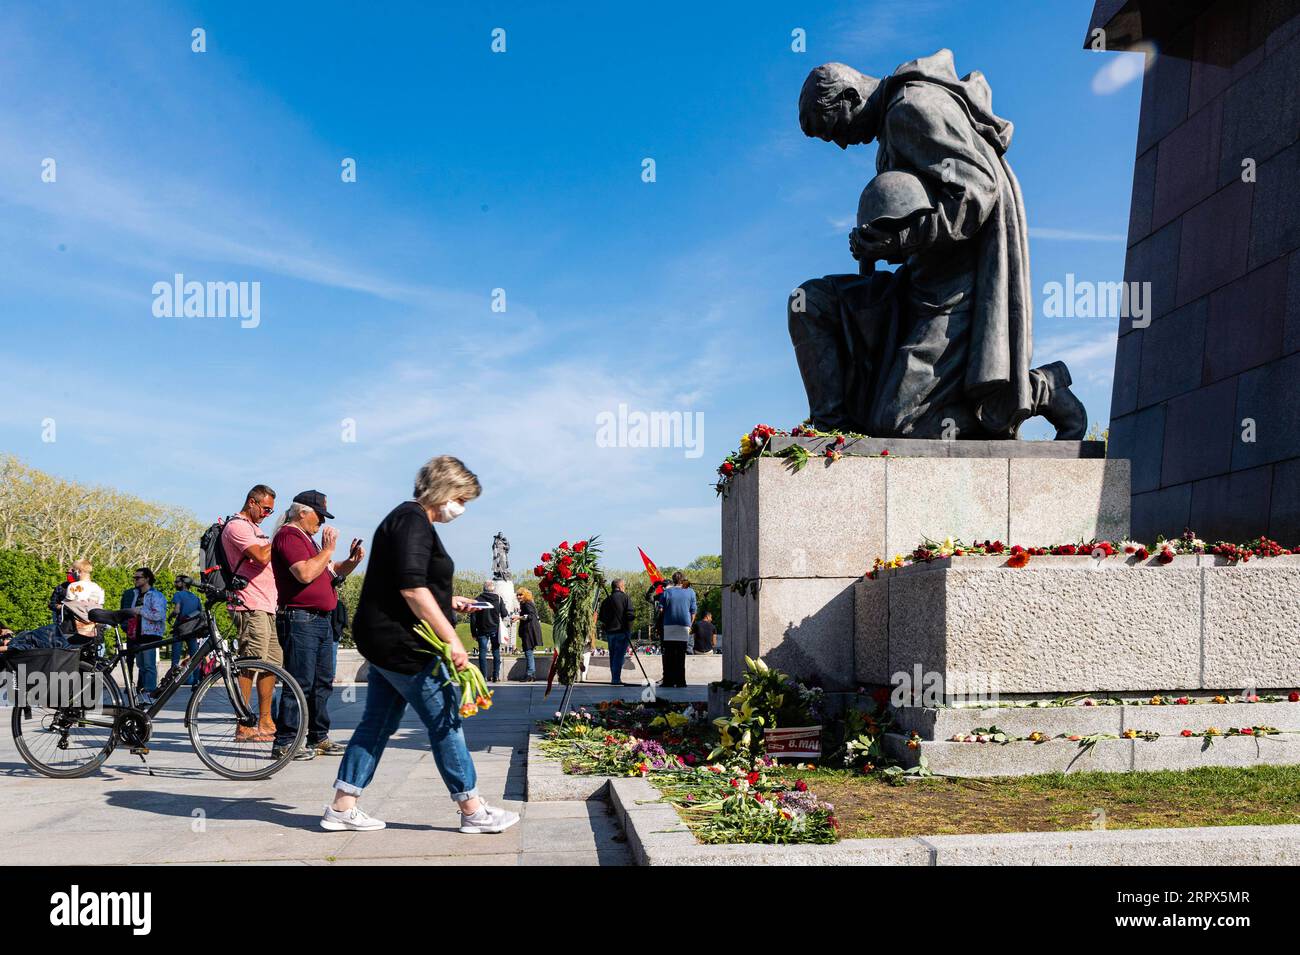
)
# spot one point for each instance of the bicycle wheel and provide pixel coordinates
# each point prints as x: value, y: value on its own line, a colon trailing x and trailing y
x: 214, y: 724
x: 58, y: 741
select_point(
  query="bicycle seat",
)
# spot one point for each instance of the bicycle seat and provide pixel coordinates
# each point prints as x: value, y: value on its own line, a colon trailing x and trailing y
x: 116, y: 618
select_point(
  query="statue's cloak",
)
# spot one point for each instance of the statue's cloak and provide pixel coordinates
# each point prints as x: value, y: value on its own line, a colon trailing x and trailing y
x: 943, y: 129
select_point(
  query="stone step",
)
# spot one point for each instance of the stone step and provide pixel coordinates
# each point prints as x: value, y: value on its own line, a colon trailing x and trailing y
x: 941, y: 723
x: 1108, y: 755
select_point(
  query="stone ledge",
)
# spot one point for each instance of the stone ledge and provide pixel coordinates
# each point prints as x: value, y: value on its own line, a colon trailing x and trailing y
x: 1065, y: 625
x: 656, y: 840
x: 935, y: 723
x: 982, y: 760
x: 548, y: 782
x: 937, y: 448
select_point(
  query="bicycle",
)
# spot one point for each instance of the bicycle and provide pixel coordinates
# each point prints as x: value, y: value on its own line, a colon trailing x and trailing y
x: 75, y: 738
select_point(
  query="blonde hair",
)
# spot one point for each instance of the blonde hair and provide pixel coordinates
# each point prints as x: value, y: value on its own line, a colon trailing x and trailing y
x: 523, y: 593
x: 444, y: 479
x: 82, y: 566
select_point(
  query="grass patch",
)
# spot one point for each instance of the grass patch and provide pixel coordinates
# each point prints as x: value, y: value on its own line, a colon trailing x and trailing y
x: 869, y: 807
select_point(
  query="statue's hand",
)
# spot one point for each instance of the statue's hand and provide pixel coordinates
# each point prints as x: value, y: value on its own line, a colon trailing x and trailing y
x: 867, y: 244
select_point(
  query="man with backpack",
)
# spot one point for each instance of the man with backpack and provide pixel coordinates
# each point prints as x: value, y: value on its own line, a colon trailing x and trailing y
x: 248, y: 557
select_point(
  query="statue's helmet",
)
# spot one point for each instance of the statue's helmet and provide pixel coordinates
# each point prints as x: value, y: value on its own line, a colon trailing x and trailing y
x: 892, y: 198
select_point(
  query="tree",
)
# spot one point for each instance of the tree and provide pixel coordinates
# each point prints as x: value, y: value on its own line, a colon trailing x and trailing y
x: 62, y: 521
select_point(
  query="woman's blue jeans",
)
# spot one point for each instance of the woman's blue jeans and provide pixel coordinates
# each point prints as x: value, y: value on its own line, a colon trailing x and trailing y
x: 436, y: 702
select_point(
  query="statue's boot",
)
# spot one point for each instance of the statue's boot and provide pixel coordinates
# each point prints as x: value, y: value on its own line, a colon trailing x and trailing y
x: 1054, y: 400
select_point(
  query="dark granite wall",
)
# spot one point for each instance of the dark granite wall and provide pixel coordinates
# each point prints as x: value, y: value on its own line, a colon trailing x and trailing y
x: 1223, y: 257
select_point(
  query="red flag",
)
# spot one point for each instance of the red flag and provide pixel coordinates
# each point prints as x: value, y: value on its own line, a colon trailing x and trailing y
x: 651, y: 570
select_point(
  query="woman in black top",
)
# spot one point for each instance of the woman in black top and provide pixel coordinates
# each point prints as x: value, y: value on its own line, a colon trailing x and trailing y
x: 530, y: 631
x: 410, y: 579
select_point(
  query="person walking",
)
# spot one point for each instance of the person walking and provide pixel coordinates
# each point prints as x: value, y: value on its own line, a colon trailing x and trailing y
x: 678, y: 602
x: 485, y: 627
x: 410, y: 579
x: 187, y: 623
x: 248, y: 552
x: 530, y: 632
x: 150, y: 607
x: 305, y: 576
x: 615, y: 618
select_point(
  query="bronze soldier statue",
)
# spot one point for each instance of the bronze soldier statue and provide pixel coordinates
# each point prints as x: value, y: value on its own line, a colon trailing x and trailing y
x: 941, y: 346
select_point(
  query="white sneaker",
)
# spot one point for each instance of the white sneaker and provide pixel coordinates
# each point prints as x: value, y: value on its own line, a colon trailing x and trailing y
x: 355, y: 819
x: 488, y: 819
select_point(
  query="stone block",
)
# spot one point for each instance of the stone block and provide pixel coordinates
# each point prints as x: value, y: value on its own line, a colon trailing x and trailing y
x: 1246, y: 321
x: 963, y: 498
x: 821, y: 521
x: 1261, y: 113
x: 1014, y: 759
x: 1275, y: 225
x: 1214, y: 242
x: 1052, y: 502
x: 1143, y: 199
x: 1250, y: 625
x: 1187, y: 170
x: 1155, y: 260
x: 1173, y: 353
x: 1232, y: 506
x: 940, y: 724
x: 871, y: 631
x: 1200, y: 428
x: 1140, y: 438
x: 1270, y: 396
x: 1291, y: 323
x: 1169, y: 721
x: 1284, y: 512
x: 805, y: 628
x: 1128, y: 367
x: 1178, y: 753
x: 1165, y: 92
x: 1224, y: 846
x: 1042, y: 630
x: 1166, y: 512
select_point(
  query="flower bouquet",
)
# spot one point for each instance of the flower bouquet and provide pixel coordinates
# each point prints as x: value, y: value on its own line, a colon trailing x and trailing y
x: 474, y: 692
x: 570, y: 580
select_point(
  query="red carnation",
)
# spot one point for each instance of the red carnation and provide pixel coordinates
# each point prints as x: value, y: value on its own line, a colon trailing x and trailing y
x: 545, y: 558
x: 801, y: 786
x: 884, y: 453
x: 753, y: 777
x: 565, y: 572
x: 539, y: 571
x: 564, y: 545
x: 1294, y: 696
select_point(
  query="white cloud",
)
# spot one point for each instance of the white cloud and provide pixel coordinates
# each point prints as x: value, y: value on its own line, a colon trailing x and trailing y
x: 1074, y: 235
x: 1121, y: 70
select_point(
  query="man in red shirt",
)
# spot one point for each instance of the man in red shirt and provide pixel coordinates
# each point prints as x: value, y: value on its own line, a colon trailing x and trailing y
x: 305, y: 580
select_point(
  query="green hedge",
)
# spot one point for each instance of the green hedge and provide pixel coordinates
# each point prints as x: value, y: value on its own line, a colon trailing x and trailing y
x: 26, y: 583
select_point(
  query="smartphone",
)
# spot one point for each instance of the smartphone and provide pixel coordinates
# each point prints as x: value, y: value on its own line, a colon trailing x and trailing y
x: 479, y: 605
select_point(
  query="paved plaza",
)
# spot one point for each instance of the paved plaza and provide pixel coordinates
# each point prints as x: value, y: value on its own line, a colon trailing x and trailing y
x: 185, y: 813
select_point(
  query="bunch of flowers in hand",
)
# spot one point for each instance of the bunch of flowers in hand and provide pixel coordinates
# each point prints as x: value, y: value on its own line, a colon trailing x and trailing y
x: 570, y: 579
x: 474, y: 692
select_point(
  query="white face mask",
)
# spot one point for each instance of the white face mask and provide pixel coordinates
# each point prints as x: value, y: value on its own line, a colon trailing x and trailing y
x: 450, y: 511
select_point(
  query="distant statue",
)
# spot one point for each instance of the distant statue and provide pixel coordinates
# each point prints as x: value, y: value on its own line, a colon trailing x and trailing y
x: 941, y: 347
x: 500, y: 557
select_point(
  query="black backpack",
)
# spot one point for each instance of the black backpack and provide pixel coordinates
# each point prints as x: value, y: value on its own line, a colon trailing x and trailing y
x: 216, y: 572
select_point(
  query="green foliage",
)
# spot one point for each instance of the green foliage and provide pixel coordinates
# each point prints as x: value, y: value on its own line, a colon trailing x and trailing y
x: 767, y: 698
x: 27, y: 581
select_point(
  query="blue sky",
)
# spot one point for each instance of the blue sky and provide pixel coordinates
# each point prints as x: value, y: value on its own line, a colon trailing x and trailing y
x: 477, y: 171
